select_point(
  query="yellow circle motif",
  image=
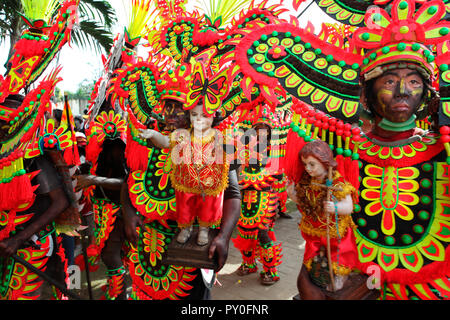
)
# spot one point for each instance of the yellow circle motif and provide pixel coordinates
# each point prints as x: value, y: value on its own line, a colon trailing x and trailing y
x: 349, y: 74
x: 259, y: 58
x: 320, y: 63
x: 268, y: 67
x: 334, y: 70
x: 262, y: 48
x: 287, y: 43
x: 298, y: 49
x: 446, y: 76
x: 273, y: 41
x: 309, y: 56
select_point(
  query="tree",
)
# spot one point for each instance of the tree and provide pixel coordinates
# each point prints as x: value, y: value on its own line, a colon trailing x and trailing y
x: 96, y: 18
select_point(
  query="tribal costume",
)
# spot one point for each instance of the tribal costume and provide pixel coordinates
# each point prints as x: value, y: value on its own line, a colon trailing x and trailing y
x: 146, y: 84
x: 401, y: 219
x: 33, y: 168
x: 260, y: 201
x: 106, y: 138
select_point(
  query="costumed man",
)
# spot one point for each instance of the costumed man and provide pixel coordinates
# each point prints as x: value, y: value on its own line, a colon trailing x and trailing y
x: 105, y: 151
x: 402, y: 219
x: 255, y: 238
x: 35, y: 186
x: 156, y: 215
x: 398, y: 170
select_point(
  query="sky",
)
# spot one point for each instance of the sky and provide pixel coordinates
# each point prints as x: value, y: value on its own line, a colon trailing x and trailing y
x: 85, y: 65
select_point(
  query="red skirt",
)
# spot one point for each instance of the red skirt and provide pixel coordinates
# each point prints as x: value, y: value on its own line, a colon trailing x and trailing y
x: 345, y: 248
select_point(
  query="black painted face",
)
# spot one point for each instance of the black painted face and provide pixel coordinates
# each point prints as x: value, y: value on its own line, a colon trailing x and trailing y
x: 397, y: 94
x: 175, y: 116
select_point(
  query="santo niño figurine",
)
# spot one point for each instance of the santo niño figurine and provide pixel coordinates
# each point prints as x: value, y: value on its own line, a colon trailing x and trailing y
x: 199, y: 169
x: 199, y: 180
x: 325, y: 201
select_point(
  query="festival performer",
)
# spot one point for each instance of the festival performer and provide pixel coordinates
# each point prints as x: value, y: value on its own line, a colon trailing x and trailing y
x: 255, y: 238
x: 398, y: 169
x: 34, y: 188
x: 152, y: 279
x: 149, y: 189
x: 106, y: 135
x: 325, y: 201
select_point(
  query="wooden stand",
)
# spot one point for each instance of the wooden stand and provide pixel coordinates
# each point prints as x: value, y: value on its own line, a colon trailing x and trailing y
x: 190, y: 254
x: 355, y: 288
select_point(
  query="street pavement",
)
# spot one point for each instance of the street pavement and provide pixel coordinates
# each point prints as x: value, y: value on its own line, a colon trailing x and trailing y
x: 230, y: 286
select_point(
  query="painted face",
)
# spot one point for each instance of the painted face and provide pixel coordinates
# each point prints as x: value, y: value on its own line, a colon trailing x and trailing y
x: 314, y: 168
x: 174, y: 115
x: 200, y: 121
x: 398, y: 94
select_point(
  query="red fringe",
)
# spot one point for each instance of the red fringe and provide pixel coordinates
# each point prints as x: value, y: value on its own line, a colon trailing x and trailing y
x: 16, y: 192
x: 136, y: 155
x: 244, y: 244
x: 71, y: 156
x: 353, y: 174
x: 93, y: 149
x: 11, y: 226
x: 293, y: 168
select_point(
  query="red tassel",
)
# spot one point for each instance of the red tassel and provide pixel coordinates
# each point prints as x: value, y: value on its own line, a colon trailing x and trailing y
x: 340, y: 164
x: 93, y: 149
x: 71, y: 156
x: 244, y: 244
x: 15, y: 193
x: 354, y: 174
x: 136, y: 155
x: 293, y: 168
x: 11, y: 226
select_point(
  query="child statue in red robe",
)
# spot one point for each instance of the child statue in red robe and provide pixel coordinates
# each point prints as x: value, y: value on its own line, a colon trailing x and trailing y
x: 317, y: 196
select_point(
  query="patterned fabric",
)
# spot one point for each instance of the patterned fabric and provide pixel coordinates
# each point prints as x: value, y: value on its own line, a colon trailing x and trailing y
x: 151, y: 279
x: 403, y: 220
x: 19, y: 283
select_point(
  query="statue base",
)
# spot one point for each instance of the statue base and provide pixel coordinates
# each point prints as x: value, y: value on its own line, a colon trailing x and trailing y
x: 190, y: 254
x: 355, y: 288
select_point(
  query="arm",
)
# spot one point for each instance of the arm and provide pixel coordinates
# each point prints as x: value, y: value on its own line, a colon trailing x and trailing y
x: 344, y: 207
x: 290, y: 190
x: 230, y: 217
x: 156, y: 138
x: 86, y: 180
x: 130, y: 218
x: 59, y: 203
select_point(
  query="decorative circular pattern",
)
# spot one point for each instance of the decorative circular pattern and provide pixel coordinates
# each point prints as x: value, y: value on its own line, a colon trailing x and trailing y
x: 334, y: 70
x: 321, y: 63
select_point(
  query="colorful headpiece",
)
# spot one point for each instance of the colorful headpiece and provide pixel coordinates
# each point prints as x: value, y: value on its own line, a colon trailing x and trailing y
x: 47, y: 32
x: 402, y: 37
x: 211, y: 87
x: 173, y: 83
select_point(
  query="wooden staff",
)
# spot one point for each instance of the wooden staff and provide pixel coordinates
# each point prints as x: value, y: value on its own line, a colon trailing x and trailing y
x: 330, y: 262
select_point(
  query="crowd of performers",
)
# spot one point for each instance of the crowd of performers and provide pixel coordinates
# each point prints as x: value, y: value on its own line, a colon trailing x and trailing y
x: 223, y: 121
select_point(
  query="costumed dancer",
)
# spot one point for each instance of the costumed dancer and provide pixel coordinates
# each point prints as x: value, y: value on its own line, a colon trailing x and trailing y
x: 157, y: 214
x: 149, y: 189
x: 401, y: 217
x: 398, y: 170
x: 325, y: 201
x: 106, y: 145
x: 35, y: 185
x: 255, y: 238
